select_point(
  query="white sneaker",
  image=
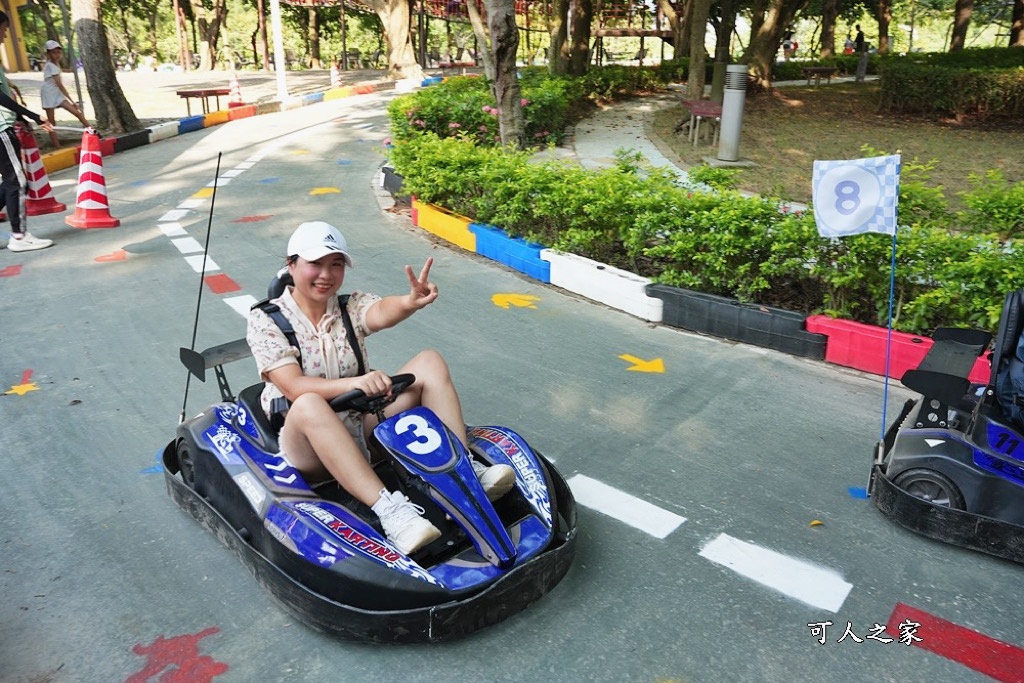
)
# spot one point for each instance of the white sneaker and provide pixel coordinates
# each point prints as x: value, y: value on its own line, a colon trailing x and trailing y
x: 497, y: 480
x: 28, y: 243
x: 403, y: 522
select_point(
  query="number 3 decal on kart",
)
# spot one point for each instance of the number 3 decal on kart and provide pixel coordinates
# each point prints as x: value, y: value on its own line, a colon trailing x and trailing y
x: 427, y: 438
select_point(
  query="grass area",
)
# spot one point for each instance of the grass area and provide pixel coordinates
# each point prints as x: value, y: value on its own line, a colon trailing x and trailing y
x: 786, y: 131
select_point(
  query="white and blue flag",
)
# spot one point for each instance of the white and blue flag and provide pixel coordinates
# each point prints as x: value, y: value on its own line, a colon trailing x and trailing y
x: 854, y: 196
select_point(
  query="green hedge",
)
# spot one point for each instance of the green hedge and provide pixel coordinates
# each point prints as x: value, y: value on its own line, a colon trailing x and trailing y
x: 464, y: 107
x: 725, y: 243
x: 945, y: 86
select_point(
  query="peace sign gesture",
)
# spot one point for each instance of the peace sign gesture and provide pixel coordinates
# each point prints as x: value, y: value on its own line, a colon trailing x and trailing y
x: 421, y: 290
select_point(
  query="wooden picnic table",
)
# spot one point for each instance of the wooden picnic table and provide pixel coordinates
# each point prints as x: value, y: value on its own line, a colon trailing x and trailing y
x: 816, y: 72
x: 203, y: 94
x: 701, y: 111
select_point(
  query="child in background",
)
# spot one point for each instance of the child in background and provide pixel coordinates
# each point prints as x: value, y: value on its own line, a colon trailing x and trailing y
x: 53, y: 93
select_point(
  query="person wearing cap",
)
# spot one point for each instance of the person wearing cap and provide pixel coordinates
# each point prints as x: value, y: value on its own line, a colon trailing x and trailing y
x: 53, y: 93
x: 12, y: 195
x: 324, y: 365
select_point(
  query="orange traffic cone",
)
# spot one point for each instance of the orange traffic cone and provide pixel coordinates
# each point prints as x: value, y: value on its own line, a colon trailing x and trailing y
x: 91, y: 209
x: 335, y: 75
x: 39, y: 197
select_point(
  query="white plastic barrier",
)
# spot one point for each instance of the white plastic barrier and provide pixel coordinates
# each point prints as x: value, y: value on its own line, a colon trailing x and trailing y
x: 611, y: 286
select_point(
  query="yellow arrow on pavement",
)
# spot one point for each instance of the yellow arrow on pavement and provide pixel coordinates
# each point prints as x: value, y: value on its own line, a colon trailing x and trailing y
x: 517, y: 300
x: 640, y: 365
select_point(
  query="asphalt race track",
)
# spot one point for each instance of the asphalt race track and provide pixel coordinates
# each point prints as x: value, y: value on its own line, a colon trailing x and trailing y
x: 722, y: 514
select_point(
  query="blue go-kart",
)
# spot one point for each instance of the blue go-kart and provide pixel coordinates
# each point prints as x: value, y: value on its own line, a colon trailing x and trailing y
x: 951, y: 467
x: 323, y: 556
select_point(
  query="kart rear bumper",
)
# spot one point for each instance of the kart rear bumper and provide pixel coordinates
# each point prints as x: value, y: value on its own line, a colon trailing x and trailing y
x: 511, y: 593
x: 958, y: 527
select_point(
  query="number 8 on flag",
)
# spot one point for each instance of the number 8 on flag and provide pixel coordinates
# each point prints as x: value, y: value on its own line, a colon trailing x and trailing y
x: 856, y: 195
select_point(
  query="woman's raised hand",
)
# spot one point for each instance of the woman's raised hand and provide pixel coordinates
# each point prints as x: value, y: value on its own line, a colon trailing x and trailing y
x: 421, y: 290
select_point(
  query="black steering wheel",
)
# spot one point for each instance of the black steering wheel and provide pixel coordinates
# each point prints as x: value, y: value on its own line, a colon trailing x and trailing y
x: 358, y: 400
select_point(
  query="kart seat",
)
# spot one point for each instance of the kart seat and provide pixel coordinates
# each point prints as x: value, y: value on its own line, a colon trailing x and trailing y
x: 249, y: 398
x: 1008, y: 360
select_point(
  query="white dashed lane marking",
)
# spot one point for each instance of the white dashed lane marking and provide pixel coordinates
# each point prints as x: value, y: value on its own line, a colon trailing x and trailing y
x: 816, y: 586
x: 635, y: 512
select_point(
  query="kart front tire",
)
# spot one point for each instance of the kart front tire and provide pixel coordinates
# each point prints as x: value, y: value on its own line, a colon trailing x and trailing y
x: 186, y: 464
x: 932, y: 486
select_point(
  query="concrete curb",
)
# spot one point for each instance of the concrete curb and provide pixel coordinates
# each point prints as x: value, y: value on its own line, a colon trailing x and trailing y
x: 66, y: 157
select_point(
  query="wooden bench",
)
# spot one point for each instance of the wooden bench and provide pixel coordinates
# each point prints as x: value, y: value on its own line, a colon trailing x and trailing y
x: 817, y: 72
x: 701, y: 111
x: 202, y: 94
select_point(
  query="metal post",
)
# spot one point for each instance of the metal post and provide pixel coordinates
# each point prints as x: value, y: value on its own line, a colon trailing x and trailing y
x: 71, y: 53
x: 732, y: 112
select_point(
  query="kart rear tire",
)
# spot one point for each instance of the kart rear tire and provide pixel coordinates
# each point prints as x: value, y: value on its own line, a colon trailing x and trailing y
x: 932, y: 486
x: 186, y: 465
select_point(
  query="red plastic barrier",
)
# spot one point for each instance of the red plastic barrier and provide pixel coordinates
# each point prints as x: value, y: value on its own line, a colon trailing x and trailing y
x: 856, y: 345
x: 241, y: 111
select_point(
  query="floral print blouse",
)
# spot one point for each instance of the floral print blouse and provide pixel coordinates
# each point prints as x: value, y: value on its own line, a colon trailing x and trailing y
x: 325, y: 347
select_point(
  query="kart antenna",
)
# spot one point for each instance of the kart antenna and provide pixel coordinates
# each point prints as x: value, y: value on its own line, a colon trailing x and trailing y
x: 202, y: 277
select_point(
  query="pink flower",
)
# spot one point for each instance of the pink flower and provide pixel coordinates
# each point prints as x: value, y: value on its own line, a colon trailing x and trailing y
x: 454, y: 125
x: 545, y: 133
x: 419, y: 122
x: 483, y: 128
x: 523, y: 102
x: 387, y: 141
x: 487, y: 108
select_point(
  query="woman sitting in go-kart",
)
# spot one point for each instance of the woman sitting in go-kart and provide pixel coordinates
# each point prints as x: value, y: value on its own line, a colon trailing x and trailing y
x: 301, y: 381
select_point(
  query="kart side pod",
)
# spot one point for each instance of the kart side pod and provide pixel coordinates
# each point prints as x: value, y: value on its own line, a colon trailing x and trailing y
x: 424, y: 447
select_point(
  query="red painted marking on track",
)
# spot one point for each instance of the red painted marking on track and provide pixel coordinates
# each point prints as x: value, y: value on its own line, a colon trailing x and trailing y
x: 11, y: 271
x: 26, y: 377
x: 251, y: 219
x: 221, y: 284
x: 1001, y: 661
x: 118, y: 255
x: 180, y: 651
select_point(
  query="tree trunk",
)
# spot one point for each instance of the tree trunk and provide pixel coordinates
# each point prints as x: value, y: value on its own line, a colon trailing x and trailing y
x: 698, y: 30
x: 675, y: 25
x: 501, y: 20
x: 113, y: 113
x: 884, y: 19
x: 396, y: 18
x: 314, y: 39
x: 483, y: 40
x: 558, y: 50
x: 184, y: 56
x: 765, y: 40
x: 1017, y: 24
x: 582, y: 18
x: 261, y: 21
x: 154, y: 44
x: 961, y: 20
x: 829, y: 12
x: 726, y: 25
x: 209, y: 22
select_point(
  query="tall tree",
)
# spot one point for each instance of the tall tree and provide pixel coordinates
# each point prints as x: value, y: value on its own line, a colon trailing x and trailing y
x: 579, y: 54
x: 501, y: 20
x: 113, y: 112
x: 698, y: 30
x: 961, y: 20
x: 676, y: 22
x: 558, y: 49
x: 396, y: 18
x: 483, y: 39
x: 1017, y: 24
x: 829, y: 13
x: 767, y: 27
x: 884, y: 20
x: 210, y: 15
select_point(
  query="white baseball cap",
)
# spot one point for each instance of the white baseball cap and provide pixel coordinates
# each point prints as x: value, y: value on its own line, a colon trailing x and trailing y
x: 52, y: 45
x: 316, y: 239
